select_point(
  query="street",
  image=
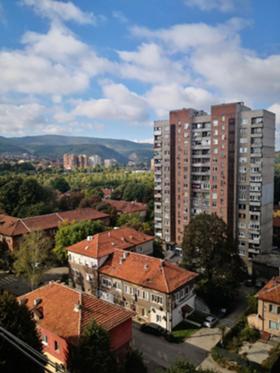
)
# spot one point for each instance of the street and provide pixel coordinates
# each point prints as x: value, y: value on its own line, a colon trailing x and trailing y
x: 157, y: 352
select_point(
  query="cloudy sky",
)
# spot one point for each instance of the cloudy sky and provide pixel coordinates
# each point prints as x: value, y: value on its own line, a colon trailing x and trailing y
x: 108, y: 68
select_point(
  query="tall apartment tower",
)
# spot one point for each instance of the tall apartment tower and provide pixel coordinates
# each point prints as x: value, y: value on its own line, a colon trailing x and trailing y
x: 220, y: 163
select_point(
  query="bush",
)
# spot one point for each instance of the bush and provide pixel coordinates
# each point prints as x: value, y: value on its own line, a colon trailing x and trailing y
x: 249, y: 334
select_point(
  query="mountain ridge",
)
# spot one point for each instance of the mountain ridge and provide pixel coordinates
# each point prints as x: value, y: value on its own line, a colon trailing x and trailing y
x: 54, y: 146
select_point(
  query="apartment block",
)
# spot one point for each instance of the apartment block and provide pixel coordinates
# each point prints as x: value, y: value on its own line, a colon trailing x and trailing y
x: 219, y: 163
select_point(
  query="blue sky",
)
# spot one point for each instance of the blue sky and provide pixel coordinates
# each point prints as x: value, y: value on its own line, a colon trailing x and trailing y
x: 108, y: 68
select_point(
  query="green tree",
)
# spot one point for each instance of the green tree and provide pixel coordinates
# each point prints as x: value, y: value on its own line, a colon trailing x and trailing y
x: 92, y: 354
x: 70, y: 233
x: 133, y: 363
x: 60, y: 184
x: 209, y: 248
x: 183, y: 366
x: 33, y: 257
x: 17, y: 319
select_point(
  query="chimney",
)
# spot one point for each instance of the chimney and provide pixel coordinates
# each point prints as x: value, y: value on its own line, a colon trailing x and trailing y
x: 37, y: 301
x: 77, y: 307
x: 146, y: 267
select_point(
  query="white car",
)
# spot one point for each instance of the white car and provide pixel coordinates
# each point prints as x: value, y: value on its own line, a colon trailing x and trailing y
x: 210, y: 321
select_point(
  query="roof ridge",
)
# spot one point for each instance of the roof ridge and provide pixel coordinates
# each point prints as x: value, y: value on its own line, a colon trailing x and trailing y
x: 162, y: 262
x: 59, y: 217
x: 25, y: 225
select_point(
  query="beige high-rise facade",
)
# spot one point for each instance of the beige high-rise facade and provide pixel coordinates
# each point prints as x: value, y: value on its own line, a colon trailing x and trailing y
x: 219, y: 163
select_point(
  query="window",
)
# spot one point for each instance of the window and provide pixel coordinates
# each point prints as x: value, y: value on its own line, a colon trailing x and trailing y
x: 273, y: 308
x: 106, y: 282
x: 145, y: 295
x: 273, y: 325
x: 45, y: 339
x: 158, y: 318
x: 156, y: 299
x: 56, y: 346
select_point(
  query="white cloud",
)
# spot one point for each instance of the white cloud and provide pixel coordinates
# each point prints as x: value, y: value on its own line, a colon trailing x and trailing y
x: 118, y: 103
x: 219, y: 5
x: 60, y: 10
x: 117, y: 14
x: 55, y: 63
x: 183, y: 37
x: 17, y: 118
x: 275, y: 108
x: 150, y: 64
x: 163, y: 98
x: 217, y: 60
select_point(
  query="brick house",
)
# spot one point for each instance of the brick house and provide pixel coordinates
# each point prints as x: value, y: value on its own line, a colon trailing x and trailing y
x: 13, y: 229
x: 157, y: 290
x: 62, y: 314
x: 267, y: 320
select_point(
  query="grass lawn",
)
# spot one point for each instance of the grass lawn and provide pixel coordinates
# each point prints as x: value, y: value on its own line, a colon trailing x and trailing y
x: 182, y: 331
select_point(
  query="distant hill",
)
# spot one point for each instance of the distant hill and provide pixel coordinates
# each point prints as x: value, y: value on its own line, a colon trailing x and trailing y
x: 54, y: 146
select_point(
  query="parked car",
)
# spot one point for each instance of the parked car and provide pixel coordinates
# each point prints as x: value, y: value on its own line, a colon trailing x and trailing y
x: 210, y: 321
x: 154, y: 329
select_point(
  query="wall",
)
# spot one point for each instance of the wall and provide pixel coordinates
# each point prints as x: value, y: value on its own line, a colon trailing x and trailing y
x: 121, y: 335
x: 61, y: 354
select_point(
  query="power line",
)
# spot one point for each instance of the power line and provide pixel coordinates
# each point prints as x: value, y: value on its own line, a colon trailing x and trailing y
x: 29, y: 351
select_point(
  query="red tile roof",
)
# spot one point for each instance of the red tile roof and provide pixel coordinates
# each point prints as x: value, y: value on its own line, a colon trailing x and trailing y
x: 146, y: 271
x: 271, y: 291
x: 11, y: 226
x: 57, y: 304
x: 126, y: 207
x: 102, y: 244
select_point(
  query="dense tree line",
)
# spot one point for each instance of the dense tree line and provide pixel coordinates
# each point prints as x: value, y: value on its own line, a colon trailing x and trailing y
x: 27, y: 195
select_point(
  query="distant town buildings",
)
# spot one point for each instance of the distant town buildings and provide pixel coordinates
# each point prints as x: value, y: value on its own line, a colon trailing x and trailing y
x: 110, y: 162
x: 94, y: 160
x: 112, y: 265
x: 12, y: 229
x: 62, y: 314
x: 219, y: 163
x: 83, y: 161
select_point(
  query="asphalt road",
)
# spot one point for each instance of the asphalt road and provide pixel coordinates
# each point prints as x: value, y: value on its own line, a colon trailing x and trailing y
x: 157, y: 352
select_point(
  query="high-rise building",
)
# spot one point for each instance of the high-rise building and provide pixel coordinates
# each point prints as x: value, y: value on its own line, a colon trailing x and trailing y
x: 94, y: 160
x: 70, y: 161
x: 219, y: 163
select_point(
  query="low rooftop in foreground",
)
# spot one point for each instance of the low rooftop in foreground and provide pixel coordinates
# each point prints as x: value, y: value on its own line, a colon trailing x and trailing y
x: 66, y: 312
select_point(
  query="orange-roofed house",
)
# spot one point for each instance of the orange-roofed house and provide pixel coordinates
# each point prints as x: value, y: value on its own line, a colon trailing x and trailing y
x: 157, y: 290
x: 13, y: 229
x: 62, y: 314
x: 267, y: 320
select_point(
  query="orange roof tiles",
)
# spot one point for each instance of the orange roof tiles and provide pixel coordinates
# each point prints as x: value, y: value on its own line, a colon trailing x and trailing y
x: 57, y: 303
x: 271, y: 291
x: 11, y: 226
x: 126, y: 207
x: 146, y: 271
x: 102, y: 244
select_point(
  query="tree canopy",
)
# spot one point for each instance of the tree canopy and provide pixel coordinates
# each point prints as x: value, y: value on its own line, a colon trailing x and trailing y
x: 33, y: 256
x: 70, y: 233
x: 60, y: 184
x: 183, y: 366
x: 209, y: 248
x: 93, y: 353
x: 25, y: 197
x: 17, y: 319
